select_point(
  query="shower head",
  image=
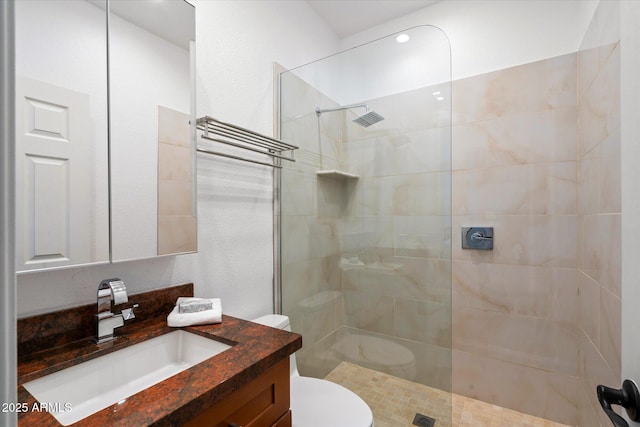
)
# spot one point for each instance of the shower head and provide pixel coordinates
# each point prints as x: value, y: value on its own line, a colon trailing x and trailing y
x: 365, y: 120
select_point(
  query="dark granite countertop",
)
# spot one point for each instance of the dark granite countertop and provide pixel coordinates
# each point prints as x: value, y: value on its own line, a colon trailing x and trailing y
x: 255, y: 348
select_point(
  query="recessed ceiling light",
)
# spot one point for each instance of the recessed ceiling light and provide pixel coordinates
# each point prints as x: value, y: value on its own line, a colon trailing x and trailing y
x: 402, y: 38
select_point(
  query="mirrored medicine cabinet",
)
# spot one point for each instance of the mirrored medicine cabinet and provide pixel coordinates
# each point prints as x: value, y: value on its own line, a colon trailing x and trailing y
x: 105, y: 158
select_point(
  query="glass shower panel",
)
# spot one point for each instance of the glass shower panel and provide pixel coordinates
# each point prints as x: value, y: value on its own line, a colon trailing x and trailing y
x: 366, y: 211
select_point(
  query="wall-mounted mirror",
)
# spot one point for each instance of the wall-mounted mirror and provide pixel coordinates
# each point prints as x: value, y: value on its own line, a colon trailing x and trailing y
x: 151, y: 51
x: 82, y: 150
x: 62, y: 203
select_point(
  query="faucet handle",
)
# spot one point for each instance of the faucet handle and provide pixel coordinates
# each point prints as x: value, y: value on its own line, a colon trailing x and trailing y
x: 119, y: 291
x: 112, y: 290
x: 128, y: 314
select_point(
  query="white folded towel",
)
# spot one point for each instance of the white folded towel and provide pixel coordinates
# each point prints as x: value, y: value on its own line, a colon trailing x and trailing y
x: 178, y: 320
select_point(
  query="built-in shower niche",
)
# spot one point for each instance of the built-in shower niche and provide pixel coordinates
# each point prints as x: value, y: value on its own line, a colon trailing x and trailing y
x: 336, y: 195
x: 337, y: 174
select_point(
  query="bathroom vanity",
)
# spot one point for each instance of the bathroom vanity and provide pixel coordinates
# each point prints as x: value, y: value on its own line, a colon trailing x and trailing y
x: 246, y: 384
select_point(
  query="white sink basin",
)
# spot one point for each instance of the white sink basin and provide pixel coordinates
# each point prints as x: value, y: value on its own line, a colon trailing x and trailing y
x: 98, y: 383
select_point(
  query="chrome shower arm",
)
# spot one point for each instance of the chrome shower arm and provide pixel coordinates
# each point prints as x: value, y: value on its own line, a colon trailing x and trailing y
x: 344, y: 107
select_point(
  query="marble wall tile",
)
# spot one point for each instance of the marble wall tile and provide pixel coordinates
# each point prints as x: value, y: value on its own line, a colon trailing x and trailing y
x: 174, y: 127
x: 599, y: 183
x: 426, y: 237
x: 589, y: 415
x: 433, y: 364
x: 514, y: 161
x: 369, y: 312
x: 308, y: 237
x: 537, y: 240
x: 422, y: 236
x: 594, y: 371
x: 600, y: 248
x: 410, y: 195
x: 423, y: 321
x: 177, y: 227
x: 522, y: 340
x: 529, y: 88
x: 323, y: 218
x: 599, y: 112
x: 305, y: 136
x: 329, y: 143
x: 524, y: 138
x: 308, y: 278
x: 300, y: 195
x: 610, y: 329
x: 317, y: 359
x: 532, y: 189
x: 336, y: 197
x: 174, y: 162
x: 420, y: 110
x: 299, y: 123
x: 610, y: 178
x: 534, y: 391
x: 590, y: 62
x: 519, y: 289
x: 599, y: 208
x: 563, y: 298
x: 515, y: 309
x: 319, y: 320
x: 561, y: 80
x: 589, y: 307
x: 313, y: 298
x: 369, y: 232
x: 395, y: 152
x: 410, y: 360
x: 499, y: 93
x: 177, y: 233
x: 409, y: 278
x: 175, y: 197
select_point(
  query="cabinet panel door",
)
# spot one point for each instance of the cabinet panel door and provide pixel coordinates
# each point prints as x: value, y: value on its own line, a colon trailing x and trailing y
x: 261, y: 403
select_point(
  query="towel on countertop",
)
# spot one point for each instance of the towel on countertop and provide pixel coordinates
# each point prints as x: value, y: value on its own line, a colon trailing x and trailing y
x: 205, y: 317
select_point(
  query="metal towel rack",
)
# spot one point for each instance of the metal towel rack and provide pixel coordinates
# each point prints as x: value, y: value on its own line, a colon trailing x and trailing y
x: 236, y: 136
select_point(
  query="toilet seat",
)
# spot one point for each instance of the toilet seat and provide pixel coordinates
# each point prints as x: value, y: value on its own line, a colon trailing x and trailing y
x: 339, y: 406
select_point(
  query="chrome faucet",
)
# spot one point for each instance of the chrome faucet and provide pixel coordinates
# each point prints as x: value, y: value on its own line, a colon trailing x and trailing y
x: 111, y: 292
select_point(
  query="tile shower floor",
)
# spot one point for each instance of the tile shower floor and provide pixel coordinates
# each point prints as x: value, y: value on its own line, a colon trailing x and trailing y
x: 395, y: 402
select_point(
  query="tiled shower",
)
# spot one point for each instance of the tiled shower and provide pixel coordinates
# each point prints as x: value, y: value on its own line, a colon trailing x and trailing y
x: 366, y: 224
x: 533, y: 151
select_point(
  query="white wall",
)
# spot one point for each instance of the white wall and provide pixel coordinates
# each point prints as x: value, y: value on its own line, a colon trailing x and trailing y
x: 490, y: 35
x: 236, y: 45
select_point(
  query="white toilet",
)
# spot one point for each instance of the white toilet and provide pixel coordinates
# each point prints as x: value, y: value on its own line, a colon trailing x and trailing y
x: 316, y: 402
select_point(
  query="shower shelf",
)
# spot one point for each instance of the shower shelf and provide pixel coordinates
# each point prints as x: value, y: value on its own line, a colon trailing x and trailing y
x: 239, y: 137
x: 336, y: 174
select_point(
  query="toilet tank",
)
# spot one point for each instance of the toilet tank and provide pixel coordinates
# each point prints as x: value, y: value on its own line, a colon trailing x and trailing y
x: 280, y: 321
x: 277, y: 321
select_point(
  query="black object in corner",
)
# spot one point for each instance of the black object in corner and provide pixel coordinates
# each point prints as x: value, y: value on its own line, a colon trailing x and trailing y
x: 628, y: 397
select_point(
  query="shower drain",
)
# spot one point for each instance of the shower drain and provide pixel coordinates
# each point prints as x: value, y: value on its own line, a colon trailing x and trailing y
x: 423, y: 421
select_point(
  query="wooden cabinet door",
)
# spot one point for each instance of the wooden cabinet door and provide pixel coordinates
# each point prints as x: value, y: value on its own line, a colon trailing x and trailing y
x: 261, y: 403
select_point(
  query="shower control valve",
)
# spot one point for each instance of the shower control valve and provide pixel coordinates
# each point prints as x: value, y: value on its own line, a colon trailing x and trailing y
x: 477, y: 238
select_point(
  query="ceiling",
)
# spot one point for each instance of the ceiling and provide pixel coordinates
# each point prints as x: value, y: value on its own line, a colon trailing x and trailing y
x: 348, y: 17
